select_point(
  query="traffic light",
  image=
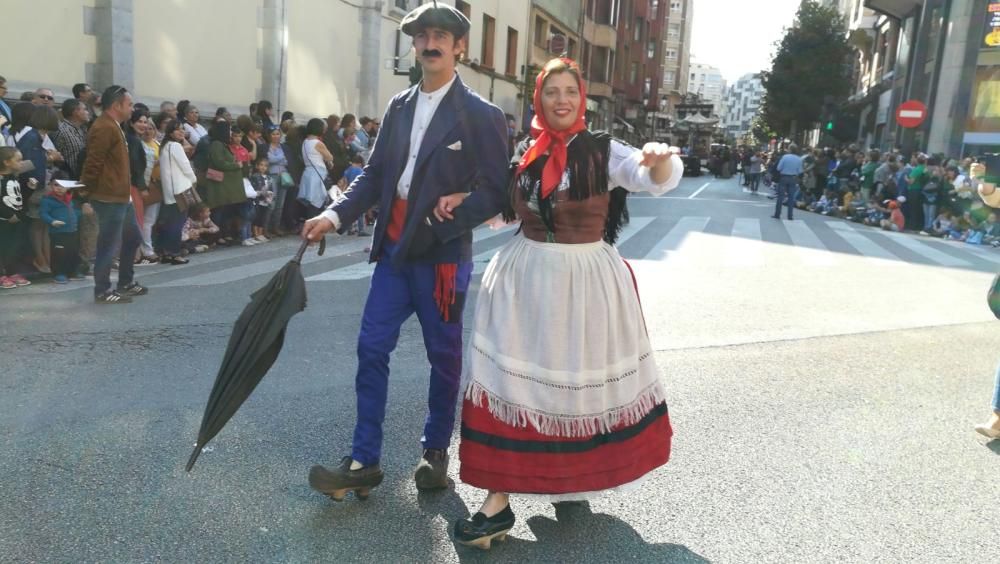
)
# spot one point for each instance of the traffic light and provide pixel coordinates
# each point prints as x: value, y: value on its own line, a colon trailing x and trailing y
x: 829, y: 125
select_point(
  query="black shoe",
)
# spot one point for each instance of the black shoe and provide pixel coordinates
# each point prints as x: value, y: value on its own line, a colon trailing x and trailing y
x: 480, y: 530
x: 432, y: 471
x: 133, y: 289
x: 112, y: 298
x: 776, y: 217
x: 175, y: 260
x: 337, y: 482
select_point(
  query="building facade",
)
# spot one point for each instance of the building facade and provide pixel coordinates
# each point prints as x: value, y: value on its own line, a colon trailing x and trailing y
x: 677, y: 52
x: 706, y: 81
x: 743, y: 99
x: 313, y: 57
x: 638, y: 80
x: 942, y: 53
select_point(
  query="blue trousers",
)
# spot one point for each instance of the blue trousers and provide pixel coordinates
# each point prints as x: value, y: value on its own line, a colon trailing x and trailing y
x: 996, y: 393
x: 118, y: 234
x: 396, y: 294
x: 787, y: 188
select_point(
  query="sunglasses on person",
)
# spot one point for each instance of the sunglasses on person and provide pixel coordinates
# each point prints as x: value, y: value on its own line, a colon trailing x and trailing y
x: 46, y: 97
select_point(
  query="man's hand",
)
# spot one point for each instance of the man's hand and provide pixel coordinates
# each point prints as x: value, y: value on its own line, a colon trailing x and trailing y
x: 316, y: 228
x: 87, y: 209
x: 447, y: 204
x: 32, y: 182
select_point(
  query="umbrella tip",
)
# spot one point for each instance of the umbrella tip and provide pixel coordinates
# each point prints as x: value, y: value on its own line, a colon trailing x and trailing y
x: 194, y: 457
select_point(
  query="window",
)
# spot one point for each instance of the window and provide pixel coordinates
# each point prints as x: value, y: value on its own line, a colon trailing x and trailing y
x: 669, y: 78
x: 541, y: 31
x: 637, y: 32
x: 675, y: 6
x: 464, y: 8
x: 651, y: 50
x: 511, y: 52
x: 672, y: 56
x: 489, y: 29
x: 571, y: 48
x: 634, y: 73
x: 674, y: 31
x: 403, y: 5
x: 586, y: 61
x: 654, y: 5
x: 647, y: 87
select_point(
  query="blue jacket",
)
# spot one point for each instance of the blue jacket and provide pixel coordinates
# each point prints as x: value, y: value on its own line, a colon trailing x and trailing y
x: 52, y: 209
x: 31, y: 149
x: 479, y: 166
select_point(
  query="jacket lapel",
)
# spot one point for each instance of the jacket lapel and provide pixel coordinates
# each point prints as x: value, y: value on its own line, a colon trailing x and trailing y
x: 445, y: 119
x: 401, y: 134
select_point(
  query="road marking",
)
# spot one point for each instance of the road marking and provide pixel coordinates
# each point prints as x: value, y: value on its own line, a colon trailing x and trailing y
x: 864, y: 245
x: 811, y: 249
x: 922, y: 249
x: 668, y: 248
x: 235, y: 273
x: 698, y: 191
x: 746, y: 247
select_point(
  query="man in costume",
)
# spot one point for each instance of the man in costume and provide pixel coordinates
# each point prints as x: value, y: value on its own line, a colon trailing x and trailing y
x: 437, y: 138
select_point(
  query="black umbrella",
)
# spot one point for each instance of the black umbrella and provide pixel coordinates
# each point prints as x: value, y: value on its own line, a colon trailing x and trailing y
x: 254, y: 345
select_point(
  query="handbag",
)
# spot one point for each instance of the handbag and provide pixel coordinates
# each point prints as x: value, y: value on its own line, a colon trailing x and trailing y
x: 286, y: 180
x: 214, y: 175
x: 248, y: 190
x: 188, y: 198
x: 153, y: 194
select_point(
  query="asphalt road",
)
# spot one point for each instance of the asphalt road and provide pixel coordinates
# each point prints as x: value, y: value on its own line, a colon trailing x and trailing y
x: 823, y: 381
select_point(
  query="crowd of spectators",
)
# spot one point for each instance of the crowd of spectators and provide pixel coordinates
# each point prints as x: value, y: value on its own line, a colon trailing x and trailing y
x: 100, y: 182
x: 932, y: 195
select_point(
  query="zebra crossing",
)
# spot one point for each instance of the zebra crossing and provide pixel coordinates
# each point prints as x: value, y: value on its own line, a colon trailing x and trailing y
x: 687, y: 241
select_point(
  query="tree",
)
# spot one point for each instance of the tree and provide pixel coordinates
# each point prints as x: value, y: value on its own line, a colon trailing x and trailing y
x: 812, y: 63
x: 759, y: 134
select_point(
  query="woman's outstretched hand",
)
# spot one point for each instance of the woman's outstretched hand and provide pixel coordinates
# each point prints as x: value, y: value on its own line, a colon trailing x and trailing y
x: 657, y: 157
x: 447, y: 204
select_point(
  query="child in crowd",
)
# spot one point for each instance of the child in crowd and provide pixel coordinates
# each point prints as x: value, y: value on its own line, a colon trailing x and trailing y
x: 12, y: 217
x: 990, y: 230
x: 244, y: 218
x: 261, y: 182
x: 896, y: 221
x: 352, y: 172
x: 199, y: 231
x: 877, y: 212
x: 827, y: 204
x: 942, y: 224
x: 58, y: 211
x: 964, y: 227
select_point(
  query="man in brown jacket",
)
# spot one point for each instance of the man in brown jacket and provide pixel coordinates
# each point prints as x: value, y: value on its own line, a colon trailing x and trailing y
x: 108, y: 189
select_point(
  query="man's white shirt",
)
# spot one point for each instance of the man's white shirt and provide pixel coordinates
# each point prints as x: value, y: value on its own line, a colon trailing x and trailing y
x: 427, y: 105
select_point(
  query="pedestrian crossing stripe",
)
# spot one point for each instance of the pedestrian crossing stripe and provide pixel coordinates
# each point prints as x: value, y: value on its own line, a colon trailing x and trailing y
x: 687, y: 242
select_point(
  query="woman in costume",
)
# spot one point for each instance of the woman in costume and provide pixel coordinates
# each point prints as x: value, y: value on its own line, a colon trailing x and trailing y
x: 564, y: 400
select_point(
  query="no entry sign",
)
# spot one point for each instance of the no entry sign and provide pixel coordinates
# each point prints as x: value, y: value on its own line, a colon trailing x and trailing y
x: 911, y: 113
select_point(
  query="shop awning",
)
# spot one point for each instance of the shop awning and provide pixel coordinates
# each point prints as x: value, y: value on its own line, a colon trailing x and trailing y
x: 898, y: 9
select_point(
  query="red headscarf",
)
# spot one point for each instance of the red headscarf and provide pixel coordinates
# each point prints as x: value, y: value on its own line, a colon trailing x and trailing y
x: 552, y: 140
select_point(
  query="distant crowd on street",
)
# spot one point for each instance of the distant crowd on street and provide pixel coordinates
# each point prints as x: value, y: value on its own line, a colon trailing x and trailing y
x: 933, y: 195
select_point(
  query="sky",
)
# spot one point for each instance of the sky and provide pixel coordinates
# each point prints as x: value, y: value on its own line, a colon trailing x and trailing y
x: 738, y: 36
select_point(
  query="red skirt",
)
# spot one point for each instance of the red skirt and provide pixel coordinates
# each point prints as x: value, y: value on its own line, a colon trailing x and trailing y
x: 503, y: 458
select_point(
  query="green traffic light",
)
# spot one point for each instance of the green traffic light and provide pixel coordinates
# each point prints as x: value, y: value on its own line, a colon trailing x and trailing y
x: 829, y: 126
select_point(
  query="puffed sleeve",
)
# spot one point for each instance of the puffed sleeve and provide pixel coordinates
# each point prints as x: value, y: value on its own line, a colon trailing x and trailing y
x: 991, y: 200
x: 625, y: 170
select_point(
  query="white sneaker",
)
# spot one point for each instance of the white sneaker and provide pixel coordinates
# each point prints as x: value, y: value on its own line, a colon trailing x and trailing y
x: 249, y: 242
x: 201, y: 248
x: 262, y: 239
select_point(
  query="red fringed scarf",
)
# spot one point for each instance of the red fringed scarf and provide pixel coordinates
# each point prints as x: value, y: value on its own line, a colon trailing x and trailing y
x: 551, y: 140
x: 444, y: 274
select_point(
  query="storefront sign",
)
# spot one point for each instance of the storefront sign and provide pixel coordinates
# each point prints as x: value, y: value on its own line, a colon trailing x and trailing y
x: 991, y: 35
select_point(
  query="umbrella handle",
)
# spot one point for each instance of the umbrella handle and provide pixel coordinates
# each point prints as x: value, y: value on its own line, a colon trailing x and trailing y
x: 305, y: 245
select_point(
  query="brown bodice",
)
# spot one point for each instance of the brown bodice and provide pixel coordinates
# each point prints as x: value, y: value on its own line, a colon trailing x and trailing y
x: 575, y: 221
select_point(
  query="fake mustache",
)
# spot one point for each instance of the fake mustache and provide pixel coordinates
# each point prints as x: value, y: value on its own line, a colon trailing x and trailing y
x: 431, y: 53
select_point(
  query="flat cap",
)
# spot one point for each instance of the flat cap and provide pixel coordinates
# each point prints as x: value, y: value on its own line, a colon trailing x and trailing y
x: 441, y: 16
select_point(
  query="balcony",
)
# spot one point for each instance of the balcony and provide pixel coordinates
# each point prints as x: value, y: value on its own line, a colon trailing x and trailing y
x: 600, y: 90
x: 898, y: 9
x: 600, y: 35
